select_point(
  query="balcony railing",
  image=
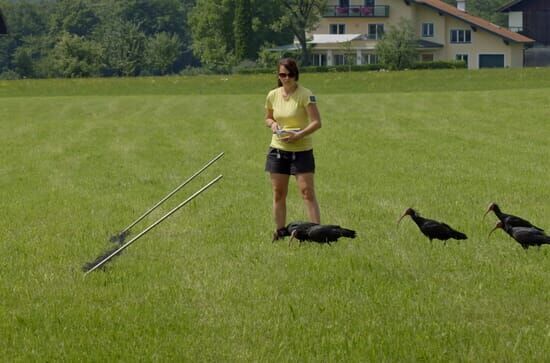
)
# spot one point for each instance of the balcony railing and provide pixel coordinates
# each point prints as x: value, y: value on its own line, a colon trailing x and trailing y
x: 516, y: 29
x: 377, y: 11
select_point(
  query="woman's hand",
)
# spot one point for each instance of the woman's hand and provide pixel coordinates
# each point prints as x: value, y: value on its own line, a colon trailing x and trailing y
x: 292, y: 137
x: 274, y: 126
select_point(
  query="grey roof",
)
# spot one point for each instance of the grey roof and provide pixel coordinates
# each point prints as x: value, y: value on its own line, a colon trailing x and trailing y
x: 285, y: 48
x: 508, y: 5
x: 422, y: 44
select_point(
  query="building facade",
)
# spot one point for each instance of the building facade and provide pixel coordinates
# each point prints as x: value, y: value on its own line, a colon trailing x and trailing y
x: 530, y: 18
x: 350, y: 29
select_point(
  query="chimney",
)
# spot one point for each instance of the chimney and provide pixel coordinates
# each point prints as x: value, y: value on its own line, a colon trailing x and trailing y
x: 461, y: 5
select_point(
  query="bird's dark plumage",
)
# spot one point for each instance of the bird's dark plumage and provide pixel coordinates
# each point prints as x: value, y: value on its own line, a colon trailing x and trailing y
x: 320, y: 233
x: 525, y: 236
x: 3, y: 28
x: 433, y: 229
x: 328, y: 233
x: 509, y: 219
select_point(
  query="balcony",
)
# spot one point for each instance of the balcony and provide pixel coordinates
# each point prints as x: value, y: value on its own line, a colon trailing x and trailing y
x: 377, y: 11
x: 516, y: 29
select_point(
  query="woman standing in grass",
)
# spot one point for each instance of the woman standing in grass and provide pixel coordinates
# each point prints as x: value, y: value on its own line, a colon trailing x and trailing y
x: 292, y: 116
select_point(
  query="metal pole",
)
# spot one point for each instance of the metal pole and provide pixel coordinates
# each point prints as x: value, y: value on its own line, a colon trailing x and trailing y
x: 169, y: 195
x: 154, y: 224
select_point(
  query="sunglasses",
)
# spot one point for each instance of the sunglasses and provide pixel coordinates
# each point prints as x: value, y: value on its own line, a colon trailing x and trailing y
x: 285, y: 75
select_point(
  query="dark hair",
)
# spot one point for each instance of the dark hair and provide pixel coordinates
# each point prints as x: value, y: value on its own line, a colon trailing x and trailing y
x: 291, y: 67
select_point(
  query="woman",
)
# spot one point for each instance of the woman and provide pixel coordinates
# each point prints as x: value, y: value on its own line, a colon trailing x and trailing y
x: 292, y: 116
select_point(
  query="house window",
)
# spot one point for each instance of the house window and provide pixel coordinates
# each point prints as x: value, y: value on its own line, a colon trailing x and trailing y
x: 369, y: 2
x: 376, y: 31
x: 337, y: 29
x: 319, y: 59
x: 462, y: 57
x: 370, y: 58
x: 461, y: 36
x: 428, y: 30
x: 344, y: 3
x: 339, y: 59
x: 428, y: 57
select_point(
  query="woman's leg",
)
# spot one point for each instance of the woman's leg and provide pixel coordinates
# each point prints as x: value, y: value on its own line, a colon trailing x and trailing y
x: 279, y: 182
x: 307, y: 189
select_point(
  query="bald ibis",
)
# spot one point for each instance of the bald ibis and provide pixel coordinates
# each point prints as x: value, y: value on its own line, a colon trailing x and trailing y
x: 320, y: 233
x: 298, y: 228
x: 509, y: 219
x: 525, y: 236
x: 432, y: 229
x: 3, y: 28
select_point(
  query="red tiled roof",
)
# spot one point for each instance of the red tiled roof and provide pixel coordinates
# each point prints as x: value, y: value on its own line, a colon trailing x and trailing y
x: 476, y: 21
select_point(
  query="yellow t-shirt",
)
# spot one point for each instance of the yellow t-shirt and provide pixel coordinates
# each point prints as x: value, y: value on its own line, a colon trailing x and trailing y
x: 291, y: 114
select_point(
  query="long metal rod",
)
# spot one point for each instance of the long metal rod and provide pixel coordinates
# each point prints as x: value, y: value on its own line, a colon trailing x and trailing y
x: 154, y: 224
x: 170, y: 194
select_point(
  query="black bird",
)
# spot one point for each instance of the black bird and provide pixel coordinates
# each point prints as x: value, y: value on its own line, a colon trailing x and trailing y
x: 3, y: 28
x: 432, y: 229
x: 320, y: 233
x: 298, y: 228
x: 525, y: 236
x: 509, y: 219
x: 326, y: 233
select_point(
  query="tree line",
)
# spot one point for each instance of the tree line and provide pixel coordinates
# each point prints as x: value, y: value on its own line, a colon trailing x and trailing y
x: 88, y: 38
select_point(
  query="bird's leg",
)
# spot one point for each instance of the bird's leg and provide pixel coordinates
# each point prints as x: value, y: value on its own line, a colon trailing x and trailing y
x: 275, y: 237
x: 291, y: 237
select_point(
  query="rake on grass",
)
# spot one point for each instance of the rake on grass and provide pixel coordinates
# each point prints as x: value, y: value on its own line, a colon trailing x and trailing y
x: 107, y: 256
x: 119, y: 238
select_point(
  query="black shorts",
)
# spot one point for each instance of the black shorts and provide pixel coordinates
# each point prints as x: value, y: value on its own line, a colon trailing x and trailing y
x: 288, y: 162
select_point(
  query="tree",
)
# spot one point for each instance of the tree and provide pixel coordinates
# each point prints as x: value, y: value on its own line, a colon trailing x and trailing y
x: 161, y: 52
x: 75, y: 56
x: 350, y: 57
x: 301, y: 16
x: 211, y: 24
x: 124, y: 44
x: 397, y: 48
x: 485, y: 9
x: 74, y: 17
x: 242, y: 29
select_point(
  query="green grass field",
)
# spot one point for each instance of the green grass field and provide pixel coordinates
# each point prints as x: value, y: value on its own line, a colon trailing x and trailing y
x: 81, y: 159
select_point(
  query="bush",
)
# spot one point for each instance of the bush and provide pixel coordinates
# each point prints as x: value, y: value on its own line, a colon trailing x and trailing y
x: 9, y: 75
x: 440, y: 65
x: 196, y: 71
x: 313, y: 69
x: 244, y: 65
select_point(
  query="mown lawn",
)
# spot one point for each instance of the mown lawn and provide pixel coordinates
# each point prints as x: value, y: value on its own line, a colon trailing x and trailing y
x: 81, y: 159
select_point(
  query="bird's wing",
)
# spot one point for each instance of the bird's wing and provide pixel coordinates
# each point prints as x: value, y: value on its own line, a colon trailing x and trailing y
x: 434, y: 226
x: 516, y: 221
x: 324, y: 233
x: 529, y: 236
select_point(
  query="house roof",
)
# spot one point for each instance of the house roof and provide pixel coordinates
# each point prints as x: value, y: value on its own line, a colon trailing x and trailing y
x: 286, y: 47
x: 424, y: 44
x: 320, y: 39
x: 475, y: 21
x: 333, y: 38
x: 508, y: 5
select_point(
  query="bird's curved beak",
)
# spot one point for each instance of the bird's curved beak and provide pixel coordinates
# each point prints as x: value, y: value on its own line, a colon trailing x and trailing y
x: 400, y: 218
x: 486, y: 212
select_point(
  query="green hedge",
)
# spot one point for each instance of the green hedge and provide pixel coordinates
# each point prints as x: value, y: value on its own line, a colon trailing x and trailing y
x: 355, y: 68
x: 440, y: 65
